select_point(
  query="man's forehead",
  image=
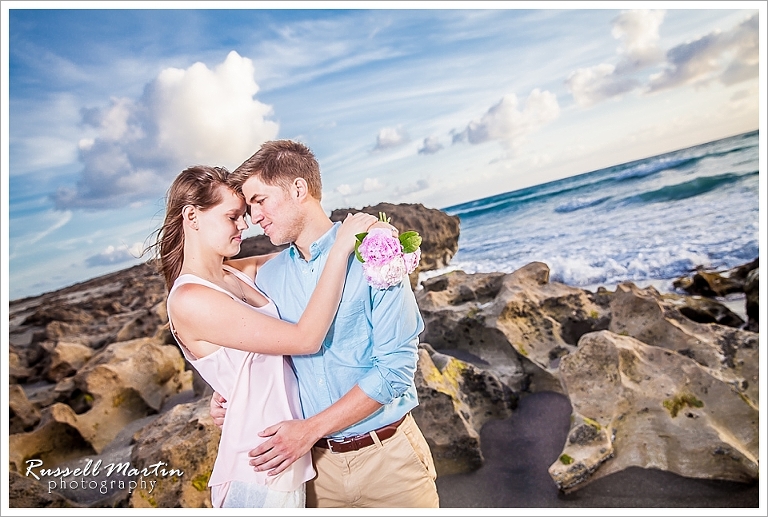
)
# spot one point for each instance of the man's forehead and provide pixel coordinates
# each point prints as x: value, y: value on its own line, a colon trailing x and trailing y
x: 253, y: 186
x: 254, y: 189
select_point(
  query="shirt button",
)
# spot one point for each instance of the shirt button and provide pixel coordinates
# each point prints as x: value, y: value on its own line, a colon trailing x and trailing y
x: 320, y: 382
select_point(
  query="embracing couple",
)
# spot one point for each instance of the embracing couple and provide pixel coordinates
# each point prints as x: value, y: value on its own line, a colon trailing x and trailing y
x: 312, y: 368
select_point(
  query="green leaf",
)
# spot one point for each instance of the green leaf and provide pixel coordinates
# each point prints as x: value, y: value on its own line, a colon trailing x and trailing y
x: 358, y: 241
x: 410, y: 241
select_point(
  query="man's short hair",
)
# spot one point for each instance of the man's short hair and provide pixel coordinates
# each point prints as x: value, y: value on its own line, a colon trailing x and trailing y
x: 279, y: 162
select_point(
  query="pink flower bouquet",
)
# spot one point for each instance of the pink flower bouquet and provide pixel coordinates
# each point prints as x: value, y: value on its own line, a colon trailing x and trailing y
x: 387, y: 259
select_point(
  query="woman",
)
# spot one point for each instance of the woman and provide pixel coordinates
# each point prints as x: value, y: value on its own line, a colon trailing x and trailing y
x: 231, y: 332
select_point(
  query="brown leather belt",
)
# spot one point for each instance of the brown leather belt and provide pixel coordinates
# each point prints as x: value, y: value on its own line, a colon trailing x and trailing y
x: 355, y: 443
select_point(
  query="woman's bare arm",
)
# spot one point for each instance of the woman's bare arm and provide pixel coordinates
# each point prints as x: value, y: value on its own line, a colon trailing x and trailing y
x: 205, y: 319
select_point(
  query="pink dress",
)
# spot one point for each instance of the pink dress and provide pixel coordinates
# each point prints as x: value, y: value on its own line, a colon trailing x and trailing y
x: 261, y: 390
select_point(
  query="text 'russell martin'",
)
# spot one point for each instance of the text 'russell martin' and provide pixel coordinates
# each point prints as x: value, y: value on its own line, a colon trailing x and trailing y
x: 91, y: 470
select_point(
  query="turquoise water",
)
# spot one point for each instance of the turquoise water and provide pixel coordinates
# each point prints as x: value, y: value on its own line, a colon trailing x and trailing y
x: 643, y: 221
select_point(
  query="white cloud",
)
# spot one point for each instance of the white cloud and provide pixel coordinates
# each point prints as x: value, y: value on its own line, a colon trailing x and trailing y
x: 390, y: 137
x: 508, y: 124
x: 431, y: 145
x: 184, y: 117
x: 729, y: 57
x: 348, y: 192
x: 639, y: 35
x: 115, y: 255
x: 344, y: 189
x: 598, y: 83
x: 410, y: 188
x: 638, y: 32
x: 372, y: 184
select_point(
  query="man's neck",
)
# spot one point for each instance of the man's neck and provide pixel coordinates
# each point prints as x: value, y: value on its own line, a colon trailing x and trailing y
x: 317, y: 224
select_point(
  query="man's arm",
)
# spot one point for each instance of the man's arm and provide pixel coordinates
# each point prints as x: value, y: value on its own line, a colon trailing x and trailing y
x: 291, y: 439
x: 396, y: 325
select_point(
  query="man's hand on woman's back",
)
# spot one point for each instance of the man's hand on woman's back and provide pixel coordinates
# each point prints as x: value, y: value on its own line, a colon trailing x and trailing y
x: 217, y: 409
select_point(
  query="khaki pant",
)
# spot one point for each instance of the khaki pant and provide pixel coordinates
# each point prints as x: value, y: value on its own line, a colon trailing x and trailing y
x: 396, y: 473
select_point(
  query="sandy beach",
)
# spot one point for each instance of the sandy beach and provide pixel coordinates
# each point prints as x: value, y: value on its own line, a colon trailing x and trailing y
x: 519, y: 450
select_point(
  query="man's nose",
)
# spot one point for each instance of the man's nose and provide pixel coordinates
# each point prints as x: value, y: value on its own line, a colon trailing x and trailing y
x: 256, y: 215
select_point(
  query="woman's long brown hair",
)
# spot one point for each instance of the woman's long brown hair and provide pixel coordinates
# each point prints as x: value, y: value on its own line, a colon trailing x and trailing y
x: 197, y: 186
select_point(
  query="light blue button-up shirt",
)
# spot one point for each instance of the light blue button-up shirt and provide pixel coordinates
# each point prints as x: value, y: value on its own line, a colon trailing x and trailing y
x: 373, y: 341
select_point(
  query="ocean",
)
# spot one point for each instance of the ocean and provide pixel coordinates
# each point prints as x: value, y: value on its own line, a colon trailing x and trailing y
x: 648, y: 221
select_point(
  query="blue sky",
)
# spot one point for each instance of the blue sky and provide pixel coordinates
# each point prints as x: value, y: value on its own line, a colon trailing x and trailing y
x: 105, y: 104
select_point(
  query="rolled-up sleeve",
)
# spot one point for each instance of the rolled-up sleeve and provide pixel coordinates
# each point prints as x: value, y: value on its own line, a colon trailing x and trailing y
x: 396, y: 325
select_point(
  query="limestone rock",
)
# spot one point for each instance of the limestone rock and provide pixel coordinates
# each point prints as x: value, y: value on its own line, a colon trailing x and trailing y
x: 636, y: 404
x: 23, y: 414
x: 716, y: 283
x: 703, y: 310
x: 26, y: 492
x: 520, y: 324
x: 66, y: 359
x: 455, y: 400
x: 127, y: 381
x: 56, y: 439
x: 456, y: 308
x: 142, y: 323
x: 17, y: 368
x: 59, y: 312
x: 44, y: 395
x: 752, y: 290
x: 439, y: 232
x: 90, y: 313
x: 731, y: 355
x: 186, y: 439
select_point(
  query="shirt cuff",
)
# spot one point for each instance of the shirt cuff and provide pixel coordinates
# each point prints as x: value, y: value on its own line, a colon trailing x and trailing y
x: 375, y: 387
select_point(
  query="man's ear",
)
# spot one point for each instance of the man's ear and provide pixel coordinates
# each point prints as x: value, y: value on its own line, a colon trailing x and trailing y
x: 300, y: 189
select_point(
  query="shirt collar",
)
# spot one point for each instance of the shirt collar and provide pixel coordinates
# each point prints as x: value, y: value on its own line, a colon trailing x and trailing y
x: 320, y: 246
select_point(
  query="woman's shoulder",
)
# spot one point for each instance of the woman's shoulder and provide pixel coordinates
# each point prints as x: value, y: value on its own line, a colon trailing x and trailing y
x: 192, y: 292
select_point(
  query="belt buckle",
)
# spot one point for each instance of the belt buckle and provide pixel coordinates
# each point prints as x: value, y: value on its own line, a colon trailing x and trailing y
x: 331, y: 442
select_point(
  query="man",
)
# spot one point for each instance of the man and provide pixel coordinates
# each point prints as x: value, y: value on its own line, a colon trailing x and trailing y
x: 357, y: 391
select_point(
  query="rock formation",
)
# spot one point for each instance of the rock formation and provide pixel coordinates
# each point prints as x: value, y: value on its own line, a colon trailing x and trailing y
x: 636, y: 404
x: 26, y: 492
x: 185, y: 439
x: 663, y: 381
x: 719, y: 284
x: 649, y: 386
x: 455, y: 400
x: 125, y: 382
x: 520, y: 324
x: 439, y: 232
x: 708, y: 282
x: 752, y: 291
x: 96, y: 376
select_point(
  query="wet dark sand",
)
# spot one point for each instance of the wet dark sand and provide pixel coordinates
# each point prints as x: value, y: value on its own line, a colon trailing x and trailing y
x: 519, y: 450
